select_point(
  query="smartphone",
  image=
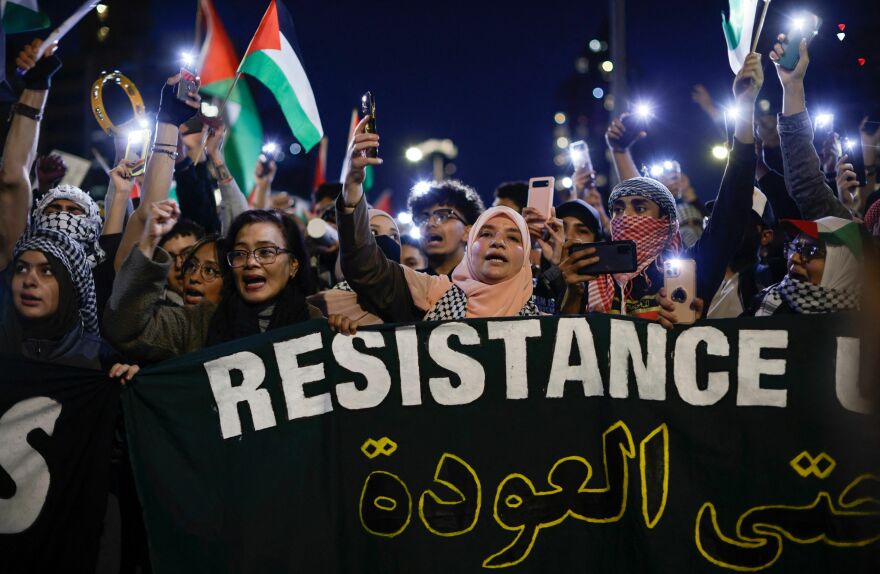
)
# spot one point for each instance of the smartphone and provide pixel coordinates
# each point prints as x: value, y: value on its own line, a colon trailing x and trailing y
x: 614, y: 257
x: 136, y: 151
x: 368, y: 108
x: 634, y: 124
x: 852, y: 147
x: 580, y: 155
x: 805, y: 26
x: 187, y: 84
x: 680, y: 282
x: 541, y: 194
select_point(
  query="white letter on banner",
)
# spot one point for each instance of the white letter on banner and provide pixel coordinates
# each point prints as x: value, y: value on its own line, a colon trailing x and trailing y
x: 227, y: 397
x: 25, y: 466
x: 514, y: 335
x: 686, y: 365
x: 469, y: 370
x: 751, y: 366
x: 408, y: 357
x: 650, y: 375
x: 372, y: 368
x: 568, y: 331
x: 294, y: 377
x: 846, y: 376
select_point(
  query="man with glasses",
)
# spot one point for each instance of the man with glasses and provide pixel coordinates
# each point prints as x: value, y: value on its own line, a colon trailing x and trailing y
x: 177, y: 243
x: 444, y: 214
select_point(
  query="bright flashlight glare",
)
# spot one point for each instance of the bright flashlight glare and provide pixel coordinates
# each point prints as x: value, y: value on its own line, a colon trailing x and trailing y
x: 404, y: 217
x: 137, y: 136
x: 656, y: 170
x: 144, y: 122
x: 414, y: 154
x: 674, y: 263
x: 415, y: 233
x: 643, y: 111
x: 668, y: 165
x: 798, y: 23
x: 719, y: 152
x: 732, y: 111
x: 270, y: 147
x: 422, y: 187
x: 187, y: 59
x: 849, y: 144
x: 824, y: 120
x: 566, y: 182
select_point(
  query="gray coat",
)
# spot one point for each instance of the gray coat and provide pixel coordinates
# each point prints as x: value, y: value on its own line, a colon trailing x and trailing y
x: 139, y: 324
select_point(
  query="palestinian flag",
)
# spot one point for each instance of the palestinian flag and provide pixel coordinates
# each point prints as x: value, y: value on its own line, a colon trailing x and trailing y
x: 217, y: 67
x: 274, y: 59
x: 738, y: 31
x: 834, y: 230
x: 22, y: 16
x: 321, y: 165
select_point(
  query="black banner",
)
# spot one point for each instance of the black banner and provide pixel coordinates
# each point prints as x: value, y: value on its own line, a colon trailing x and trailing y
x: 527, y: 445
x: 56, y: 430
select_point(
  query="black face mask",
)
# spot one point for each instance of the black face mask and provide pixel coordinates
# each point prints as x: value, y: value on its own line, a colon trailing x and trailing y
x: 389, y: 247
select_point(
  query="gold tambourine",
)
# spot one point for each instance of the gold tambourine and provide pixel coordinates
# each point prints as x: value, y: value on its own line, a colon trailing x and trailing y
x: 97, y: 99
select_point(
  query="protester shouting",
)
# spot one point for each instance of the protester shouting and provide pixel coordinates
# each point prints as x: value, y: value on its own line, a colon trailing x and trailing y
x: 492, y: 280
x: 444, y: 214
x: 202, y: 275
x: 263, y: 288
x: 824, y: 270
x: 643, y: 210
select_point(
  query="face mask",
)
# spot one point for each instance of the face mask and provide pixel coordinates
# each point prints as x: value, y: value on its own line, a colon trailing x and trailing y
x: 389, y: 247
x: 79, y: 228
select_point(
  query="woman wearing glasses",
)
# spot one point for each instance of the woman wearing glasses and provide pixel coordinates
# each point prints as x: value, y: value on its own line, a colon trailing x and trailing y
x: 201, y: 272
x: 824, y: 274
x: 262, y: 287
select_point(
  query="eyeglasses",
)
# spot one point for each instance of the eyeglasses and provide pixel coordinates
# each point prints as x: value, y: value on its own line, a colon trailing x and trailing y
x: 438, y: 217
x: 179, y: 256
x: 263, y: 255
x: 808, y: 251
x: 208, y: 272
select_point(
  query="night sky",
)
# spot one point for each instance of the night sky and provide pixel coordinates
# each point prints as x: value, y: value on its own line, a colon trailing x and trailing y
x: 488, y: 75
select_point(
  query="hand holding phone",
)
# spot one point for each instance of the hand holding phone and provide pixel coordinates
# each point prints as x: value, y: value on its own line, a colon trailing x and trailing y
x: 625, y: 131
x: 680, y: 285
x: 580, y: 156
x: 188, y: 84
x: 614, y: 257
x: 852, y: 147
x: 803, y: 27
x: 541, y: 195
x: 368, y: 108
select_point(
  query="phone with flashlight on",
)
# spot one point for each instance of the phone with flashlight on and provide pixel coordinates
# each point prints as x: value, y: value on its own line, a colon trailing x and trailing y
x: 136, y: 151
x: 368, y: 108
x: 852, y: 147
x: 580, y: 155
x: 680, y: 282
x: 804, y: 26
x: 635, y: 123
x: 269, y: 152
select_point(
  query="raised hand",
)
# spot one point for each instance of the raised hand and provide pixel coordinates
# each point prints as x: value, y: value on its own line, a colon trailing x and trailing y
x: 614, y: 135
x: 163, y: 216
x: 790, y: 77
x: 122, y: 179
x: 847, y: 181
x: 748, y: 82
x: 356, y: 162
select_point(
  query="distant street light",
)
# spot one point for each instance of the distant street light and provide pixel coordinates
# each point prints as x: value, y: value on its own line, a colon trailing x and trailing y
x: 438, y: 150
x: 414, y: 154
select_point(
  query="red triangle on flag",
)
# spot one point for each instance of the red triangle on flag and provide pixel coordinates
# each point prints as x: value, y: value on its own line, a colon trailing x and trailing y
x: 321, y: 163
x: 217, y: 60
x: 268, y: 36
x: 384, y: 202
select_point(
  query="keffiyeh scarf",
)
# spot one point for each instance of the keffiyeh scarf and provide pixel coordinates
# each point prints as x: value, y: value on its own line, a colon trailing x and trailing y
x: 86, y: 229
x: 73, y: 257
x: 805, y: 298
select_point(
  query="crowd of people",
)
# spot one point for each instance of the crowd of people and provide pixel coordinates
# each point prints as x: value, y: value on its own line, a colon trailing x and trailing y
x: 786, y: 233
x: 117, y: 287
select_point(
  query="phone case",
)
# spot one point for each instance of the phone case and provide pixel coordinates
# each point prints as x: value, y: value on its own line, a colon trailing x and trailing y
x: 791, y: 57
x: 680, y: 282
x: 368, y: 108
x: 541, y: 194
x: 186, y: 84
x: 614, y: 257
x: 852, y: 147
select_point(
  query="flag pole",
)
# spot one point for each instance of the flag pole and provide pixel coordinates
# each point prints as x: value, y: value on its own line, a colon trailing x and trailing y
x: 760, y: 25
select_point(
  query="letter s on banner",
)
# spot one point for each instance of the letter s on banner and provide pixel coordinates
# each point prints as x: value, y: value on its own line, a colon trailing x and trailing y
x: 473, y: 378
x: 685, y: 367
x: 25, y: 466
x: 372, y: 368
x: 227, y: 397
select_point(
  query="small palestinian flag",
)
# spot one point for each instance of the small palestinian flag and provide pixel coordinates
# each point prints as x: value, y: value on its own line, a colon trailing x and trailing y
x: 273, y: 58
x: 834, y: 230
x: 738, y: 31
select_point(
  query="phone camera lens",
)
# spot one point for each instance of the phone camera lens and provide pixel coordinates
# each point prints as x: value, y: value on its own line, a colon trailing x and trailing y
x: 679, y: 295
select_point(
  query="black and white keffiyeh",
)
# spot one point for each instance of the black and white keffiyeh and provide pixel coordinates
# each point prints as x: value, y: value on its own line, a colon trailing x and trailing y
x: 86, y: 229
x: 805, y: 298
x: 453, y: 306
x: 72, y: 255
